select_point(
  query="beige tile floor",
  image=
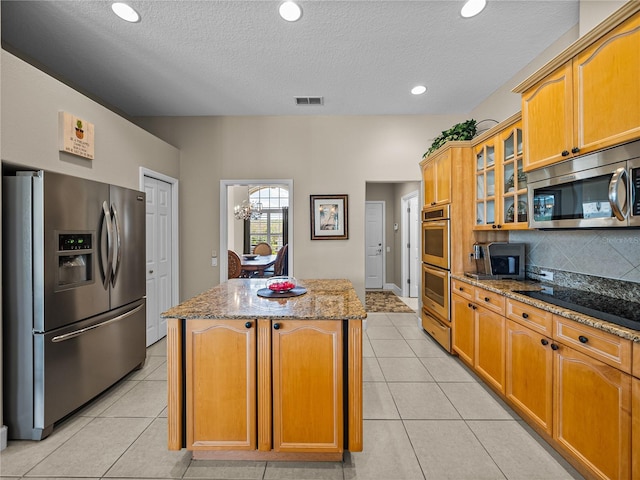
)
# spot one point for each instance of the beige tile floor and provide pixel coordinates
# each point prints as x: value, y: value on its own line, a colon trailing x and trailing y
x: 426, y: 417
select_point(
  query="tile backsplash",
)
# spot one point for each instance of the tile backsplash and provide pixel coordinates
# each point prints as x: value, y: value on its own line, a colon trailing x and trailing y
x: 613, y: 254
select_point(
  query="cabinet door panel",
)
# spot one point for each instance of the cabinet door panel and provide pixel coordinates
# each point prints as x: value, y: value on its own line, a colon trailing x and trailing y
x: 463, y: 327
x: 547, y: 115
x: 606, y: 79
x: 443, y: 179
x: 529, y: 373
x: 489, y: 346
x: 592, y: 402
x: 221, y: 406
x: 307, y: 386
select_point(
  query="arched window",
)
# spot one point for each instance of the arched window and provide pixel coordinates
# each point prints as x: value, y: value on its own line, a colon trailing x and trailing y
x: 271, y: 227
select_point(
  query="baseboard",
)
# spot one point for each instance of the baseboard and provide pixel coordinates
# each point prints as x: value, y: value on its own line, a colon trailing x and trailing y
x: 394, y: 288
x: 3, y: 437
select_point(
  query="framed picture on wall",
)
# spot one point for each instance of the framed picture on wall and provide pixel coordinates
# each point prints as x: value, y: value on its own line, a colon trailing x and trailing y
x: 329, y: 215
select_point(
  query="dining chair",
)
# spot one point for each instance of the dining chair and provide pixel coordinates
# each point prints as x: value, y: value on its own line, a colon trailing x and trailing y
x: 234, y: 264
x: 262, y: 248
x: 281, y: 263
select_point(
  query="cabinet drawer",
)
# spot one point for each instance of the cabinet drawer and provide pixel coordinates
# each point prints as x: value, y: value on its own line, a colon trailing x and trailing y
x: 462, y: 288
x: 604, y: 346
x: 438, y: 330
x: 492, y: 301
x: 532, y: 317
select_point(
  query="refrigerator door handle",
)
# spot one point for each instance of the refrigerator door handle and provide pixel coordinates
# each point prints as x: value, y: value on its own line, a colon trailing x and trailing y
x: 77, y: 333
x: 117, y: 245
x: 109, y: 266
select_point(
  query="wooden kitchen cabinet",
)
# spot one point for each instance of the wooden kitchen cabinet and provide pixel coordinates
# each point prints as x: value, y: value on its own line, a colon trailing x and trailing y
x: 500, y: 181
x: 529, y: 373
x: 307, y: 386
x: 592, y: 405
x: 589, y: 101
x: 463, y: 327
x: 436, y: 174
x: 490, y: 346
x: 486, y: 174
x: 230, y: 406
x: 547, y: 117
x: 479, y: 332
x: 221, y: 403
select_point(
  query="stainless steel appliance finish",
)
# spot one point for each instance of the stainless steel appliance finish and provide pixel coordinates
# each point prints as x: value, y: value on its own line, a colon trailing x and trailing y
x: 498, y: 260
x: 599, y: 190
x: 436, y: 227
x: 436, y: 245
x: 73, y: 294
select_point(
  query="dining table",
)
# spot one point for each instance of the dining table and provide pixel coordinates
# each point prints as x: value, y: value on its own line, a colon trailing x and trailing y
x: 255, y: 265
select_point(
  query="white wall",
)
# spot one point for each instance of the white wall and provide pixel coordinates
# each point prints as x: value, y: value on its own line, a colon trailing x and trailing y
x: 29, y: 131
x: 592, y: 12
x: 322, y: 154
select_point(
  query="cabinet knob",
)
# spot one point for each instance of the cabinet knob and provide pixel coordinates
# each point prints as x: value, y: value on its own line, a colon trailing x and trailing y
x: 487, y: 299
x: 499, y: 226
x: 575, y: 150
x: 493, y: 226
x: 470, y: 306
x: 276, y: 326
x: 544, y: 341
x: 565, y: 153
x: 554, y: 346
x: 433, y: 203
x: 461, y: 289
x: 474, y: 307
x: 525, y: 315
x: 248, y: 325
x: 583, y: 339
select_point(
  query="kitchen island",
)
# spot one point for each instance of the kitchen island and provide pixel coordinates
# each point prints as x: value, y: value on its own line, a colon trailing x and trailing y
x: 266, y: 378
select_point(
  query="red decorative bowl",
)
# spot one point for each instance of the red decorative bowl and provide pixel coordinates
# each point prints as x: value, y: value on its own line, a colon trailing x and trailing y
x: 281, y: 284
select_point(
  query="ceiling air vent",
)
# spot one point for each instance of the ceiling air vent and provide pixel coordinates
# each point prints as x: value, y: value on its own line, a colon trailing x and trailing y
x: 309, y: 100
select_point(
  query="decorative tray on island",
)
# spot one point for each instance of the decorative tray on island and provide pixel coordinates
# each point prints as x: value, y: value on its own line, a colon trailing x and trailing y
x: 281, y: 287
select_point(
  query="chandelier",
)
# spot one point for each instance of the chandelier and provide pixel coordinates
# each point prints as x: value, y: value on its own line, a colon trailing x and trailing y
x: 248, y: 210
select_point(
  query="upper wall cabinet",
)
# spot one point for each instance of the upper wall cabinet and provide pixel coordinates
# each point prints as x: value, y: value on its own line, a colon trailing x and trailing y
x: 587, y: 98
x: 500, y: 181
x: 436, y: 173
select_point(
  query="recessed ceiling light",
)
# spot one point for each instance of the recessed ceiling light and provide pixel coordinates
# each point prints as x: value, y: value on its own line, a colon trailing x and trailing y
x: 418, y: 89
x: 125, y: 12
x: 473, y: 8
x: 290, y: 11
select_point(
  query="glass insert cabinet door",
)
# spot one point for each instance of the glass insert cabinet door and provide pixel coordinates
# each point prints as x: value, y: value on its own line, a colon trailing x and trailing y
x: 514, y: 209
x: 485, y: 171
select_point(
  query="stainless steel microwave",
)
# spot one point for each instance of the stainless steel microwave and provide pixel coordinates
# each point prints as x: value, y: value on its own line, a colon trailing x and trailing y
x: 599, y: 190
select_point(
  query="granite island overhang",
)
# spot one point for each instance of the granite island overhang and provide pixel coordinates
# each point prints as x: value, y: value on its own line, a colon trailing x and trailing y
x: 266, y: 378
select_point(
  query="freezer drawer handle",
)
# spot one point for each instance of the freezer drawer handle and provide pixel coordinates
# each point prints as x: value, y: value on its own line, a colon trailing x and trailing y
x: 77, y: 333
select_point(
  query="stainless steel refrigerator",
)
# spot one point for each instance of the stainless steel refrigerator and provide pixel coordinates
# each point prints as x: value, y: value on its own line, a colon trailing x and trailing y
x: 73, y: 294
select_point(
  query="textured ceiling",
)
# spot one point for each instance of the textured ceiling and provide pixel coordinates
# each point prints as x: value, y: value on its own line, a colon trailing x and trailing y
x: 241, y: 58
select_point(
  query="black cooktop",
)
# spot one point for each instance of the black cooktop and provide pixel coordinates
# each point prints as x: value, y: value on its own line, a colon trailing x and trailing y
x: 614, y: 310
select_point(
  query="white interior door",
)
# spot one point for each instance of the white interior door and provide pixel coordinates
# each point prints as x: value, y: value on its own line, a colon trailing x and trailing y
x: 414, y: 245
x: 374, y: 248
x: 159, y: 251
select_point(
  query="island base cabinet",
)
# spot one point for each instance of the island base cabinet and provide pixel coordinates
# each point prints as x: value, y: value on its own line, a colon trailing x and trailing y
x: 592, y: 405
x: 220, y: 401
x: 307, y: 386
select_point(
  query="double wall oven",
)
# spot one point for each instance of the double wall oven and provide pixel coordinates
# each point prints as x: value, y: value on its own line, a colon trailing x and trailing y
x: 436, y: 265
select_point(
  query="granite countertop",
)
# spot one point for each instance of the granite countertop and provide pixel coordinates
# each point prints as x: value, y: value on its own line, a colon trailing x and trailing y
x: 238, y: 298
x: 506, y: 287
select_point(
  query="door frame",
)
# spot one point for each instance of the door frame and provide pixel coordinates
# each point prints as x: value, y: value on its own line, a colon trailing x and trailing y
x: 405, y: 239
x: 175, y: 251
x: 224, y: 218
x: 385, y: 286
